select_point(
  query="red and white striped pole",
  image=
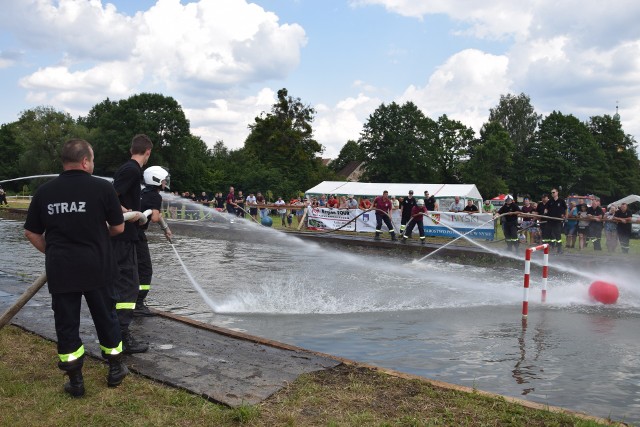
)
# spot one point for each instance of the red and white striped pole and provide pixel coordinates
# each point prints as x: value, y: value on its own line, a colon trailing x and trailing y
x: 527, y: 273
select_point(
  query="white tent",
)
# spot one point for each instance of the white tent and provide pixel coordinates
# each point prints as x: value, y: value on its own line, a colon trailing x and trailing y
x: 444, y: 193
x: 629, y: 199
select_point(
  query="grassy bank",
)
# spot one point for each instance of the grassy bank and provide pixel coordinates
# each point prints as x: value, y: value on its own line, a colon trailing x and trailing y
x: 31, y: 394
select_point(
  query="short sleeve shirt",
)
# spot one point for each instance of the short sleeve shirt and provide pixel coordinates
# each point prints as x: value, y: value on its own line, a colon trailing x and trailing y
x: 73, y: 211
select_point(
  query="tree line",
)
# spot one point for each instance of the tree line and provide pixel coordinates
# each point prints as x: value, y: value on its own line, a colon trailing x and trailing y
x: 517, y: 151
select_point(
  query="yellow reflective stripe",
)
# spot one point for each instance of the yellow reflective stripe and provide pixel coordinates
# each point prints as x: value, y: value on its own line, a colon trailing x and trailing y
x: 72, y: 356
x: 112, y: 351
x: 125, y: 305
x: 145, y: 287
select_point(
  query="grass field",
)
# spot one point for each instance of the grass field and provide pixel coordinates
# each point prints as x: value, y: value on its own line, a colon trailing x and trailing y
x: 31, y: 395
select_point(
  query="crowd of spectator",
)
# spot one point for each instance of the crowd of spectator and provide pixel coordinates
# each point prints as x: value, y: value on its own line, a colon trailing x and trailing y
x: 582, y: 225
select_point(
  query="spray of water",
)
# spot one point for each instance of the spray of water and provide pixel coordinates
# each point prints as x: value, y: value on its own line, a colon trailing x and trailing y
x: 298, y: 292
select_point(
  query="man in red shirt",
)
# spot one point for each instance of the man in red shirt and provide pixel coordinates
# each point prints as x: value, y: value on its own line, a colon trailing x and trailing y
x: 383, y: 206
x: 333, y: 202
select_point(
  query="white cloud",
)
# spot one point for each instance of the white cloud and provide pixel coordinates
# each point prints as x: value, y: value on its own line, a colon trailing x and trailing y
x: 464, y: 87
x: 202, y: 48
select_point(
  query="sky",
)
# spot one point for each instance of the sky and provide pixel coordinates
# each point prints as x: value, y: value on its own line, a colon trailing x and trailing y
x: 223, y: 61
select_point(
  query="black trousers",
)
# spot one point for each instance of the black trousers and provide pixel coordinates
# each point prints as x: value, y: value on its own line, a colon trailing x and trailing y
x: 66, y: 313
x: 145, y: 268
x: 412, y: 223
x: 127, y: 282
x: 380, y: 218
x: 555, y: 232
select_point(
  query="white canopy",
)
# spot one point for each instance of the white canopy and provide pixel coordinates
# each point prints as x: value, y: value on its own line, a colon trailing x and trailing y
x: 359, y: 189
x: 629, y: 199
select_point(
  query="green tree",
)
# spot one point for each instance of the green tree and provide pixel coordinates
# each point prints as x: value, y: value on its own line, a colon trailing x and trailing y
x: 350, y: 152
x: 11, y: 151
x: 397, y: 142
x: 451, y: 143
x: 490, y: 159
x: 283, y: 140
x: 518, y: 117
x: 41, y: 132
x: 621, y: 157
x: 113, y: 124
x: 567, y: 156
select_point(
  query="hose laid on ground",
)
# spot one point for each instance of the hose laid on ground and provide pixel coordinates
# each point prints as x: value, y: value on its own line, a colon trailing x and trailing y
x: 42, y: 279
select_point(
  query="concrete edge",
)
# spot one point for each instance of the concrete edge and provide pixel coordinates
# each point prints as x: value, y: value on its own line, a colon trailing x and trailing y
x: 391, y: 372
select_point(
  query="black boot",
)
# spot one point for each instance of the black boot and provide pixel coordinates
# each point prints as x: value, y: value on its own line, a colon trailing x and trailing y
x: 130, y: 345
x: 141, y: 310
x: 393, y: 236
x: 117, y: 370
x: 75, y: 386
x: 377, y: 236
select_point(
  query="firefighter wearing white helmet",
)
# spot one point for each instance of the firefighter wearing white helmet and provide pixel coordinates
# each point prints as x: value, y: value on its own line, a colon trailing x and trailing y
x: 154, y: 175
x: 156, y: 179
x: 417, y: 215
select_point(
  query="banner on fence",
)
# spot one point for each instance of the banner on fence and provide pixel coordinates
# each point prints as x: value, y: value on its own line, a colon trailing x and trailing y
x: 435, y: 223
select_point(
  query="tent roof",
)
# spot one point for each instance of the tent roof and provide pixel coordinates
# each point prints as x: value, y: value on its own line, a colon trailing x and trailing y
x: 629, y: 199
x: 375, y: 189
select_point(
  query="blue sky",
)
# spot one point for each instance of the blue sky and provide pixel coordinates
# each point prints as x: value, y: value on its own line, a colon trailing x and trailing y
x: 224, y: 60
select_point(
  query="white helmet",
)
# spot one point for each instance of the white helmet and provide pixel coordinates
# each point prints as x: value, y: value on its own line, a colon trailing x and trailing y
x: 420, y: 202
x: 509, y: 197
x: 154, y: 175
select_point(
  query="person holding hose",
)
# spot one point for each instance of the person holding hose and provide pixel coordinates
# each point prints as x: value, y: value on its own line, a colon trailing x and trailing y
x: 383, y: 206
x: 156, y: 179
x: 70, y: 220
x: 417, y: 217
x: 510, y: 223
x: 126, y: 181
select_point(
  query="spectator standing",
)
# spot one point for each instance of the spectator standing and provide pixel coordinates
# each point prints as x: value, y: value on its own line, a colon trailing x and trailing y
x: 219, y: 201
x: 127, y: 182
x: 281, y: 211
x: 572, y: 225
x: 596, y: 213
x: 510, y: 223
x: 583, y: 226
x: 365, y: 203
x: 3, y: 197
x: 623, y: 218
x: 489, y: 208
x: 471, y: 207
x: 406, y: 207
x: 383, y: 206
x: 611, y: 229
x: 260, y: 201
x: 527, y: 222
x: 457, y: 205
x: 70, y: 220
x: 252, y: 202
x: 352, y: 203
x: 239, y: 203
x: 231, y: 201
x: 430, y: 202
x: 333, y: 202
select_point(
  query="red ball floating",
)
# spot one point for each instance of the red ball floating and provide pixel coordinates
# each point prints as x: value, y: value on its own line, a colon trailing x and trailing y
x: 604, y: 292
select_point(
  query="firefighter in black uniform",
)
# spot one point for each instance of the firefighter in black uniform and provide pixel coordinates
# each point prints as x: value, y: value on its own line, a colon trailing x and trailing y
x: 543, y: 209
x: 407, y: 205
x: 156, y: 179
x: 557, y: 208
x: 510, y: 223
x: 623, y: 218
x: 595, y: 212
x: 126, y: 181
x: 70, y: 220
